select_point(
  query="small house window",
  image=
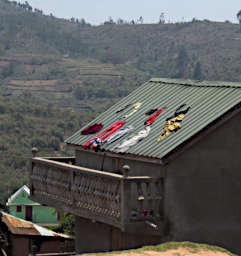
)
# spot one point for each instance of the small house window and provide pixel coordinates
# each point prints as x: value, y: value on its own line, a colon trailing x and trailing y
x: 19, y: 208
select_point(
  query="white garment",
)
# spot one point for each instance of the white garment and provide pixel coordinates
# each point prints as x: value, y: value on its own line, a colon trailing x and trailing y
x: 120, y: 133
x: 126, y: 144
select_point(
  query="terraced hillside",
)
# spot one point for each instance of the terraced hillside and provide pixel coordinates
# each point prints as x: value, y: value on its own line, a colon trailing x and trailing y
x: 77, y: 70
x: 73, y: 61
x: 67, y: 82
x: 172, y: 50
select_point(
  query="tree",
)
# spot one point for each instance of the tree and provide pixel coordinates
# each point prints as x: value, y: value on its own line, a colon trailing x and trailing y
x: 197, y: 73
x: 162, y: 18
x: 27, y: 6
x: 79, y: 93
x: 66, y: 225
x: 120, y: 21
x: 14, y: 3
x: 1, y: 50
x: 110, y: 21
x: 38, y: 11
x: 82, y: 21
x: 140, y: 20
x: 8, y: 70
x: 239, y: 18
x: 182, y: 62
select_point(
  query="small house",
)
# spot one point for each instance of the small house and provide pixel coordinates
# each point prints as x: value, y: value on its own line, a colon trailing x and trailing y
x: 162, y: 164
x: 20, y: 237
x: 21, y: 206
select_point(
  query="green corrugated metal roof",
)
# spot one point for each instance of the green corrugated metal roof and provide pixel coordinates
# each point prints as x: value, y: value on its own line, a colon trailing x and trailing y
x: 208, y: 100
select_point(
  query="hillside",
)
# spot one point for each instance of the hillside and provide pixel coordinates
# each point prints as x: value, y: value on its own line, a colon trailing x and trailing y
x: 57, y: 74
x: 73, y: 61
x: 25, y: 125
x: 66, y: 82
x: 170, y: 50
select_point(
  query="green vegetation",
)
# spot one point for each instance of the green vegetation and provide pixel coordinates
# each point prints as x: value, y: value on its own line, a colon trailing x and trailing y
x: 194, y: 247
x: 66, y: 225
x: 170, y: 50
x: 23, y: 126
x: 57, y: 74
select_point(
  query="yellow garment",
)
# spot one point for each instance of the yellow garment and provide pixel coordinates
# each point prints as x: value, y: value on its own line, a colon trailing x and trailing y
x: 136, y: 107
x: 171, y: 126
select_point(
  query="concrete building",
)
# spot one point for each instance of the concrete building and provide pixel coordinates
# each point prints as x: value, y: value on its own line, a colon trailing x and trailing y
x: 175, y: 176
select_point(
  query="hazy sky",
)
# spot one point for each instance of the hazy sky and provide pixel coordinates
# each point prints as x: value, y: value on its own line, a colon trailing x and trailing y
x: 97, y: 11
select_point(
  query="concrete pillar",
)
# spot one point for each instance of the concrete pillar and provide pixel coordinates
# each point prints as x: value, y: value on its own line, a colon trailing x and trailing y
x: 91, y: 236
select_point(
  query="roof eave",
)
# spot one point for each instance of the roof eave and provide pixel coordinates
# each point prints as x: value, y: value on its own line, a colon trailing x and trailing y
x: 127, y: 156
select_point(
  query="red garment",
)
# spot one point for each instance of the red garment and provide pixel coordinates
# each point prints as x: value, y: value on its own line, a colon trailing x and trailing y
x: 92, y: 129
x: 151, y: 120
x: 151, y: 111
x: 106, y: 133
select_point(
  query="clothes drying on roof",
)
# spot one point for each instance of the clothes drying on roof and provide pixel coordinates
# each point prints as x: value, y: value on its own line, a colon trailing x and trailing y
x: 136, y: 106
x: 123, y: 108
x: 179, y: 111
x: 172, y: 125
x: 92, y: 129
x: 126, y: 144
x: 151, y: 120
x: 151, y: 111
x: 96, y: 144
x: 105, y: 134
x: 120, y: 133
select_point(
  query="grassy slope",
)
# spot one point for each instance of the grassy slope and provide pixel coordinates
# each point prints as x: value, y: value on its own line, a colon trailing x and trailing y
x: 195, y: 247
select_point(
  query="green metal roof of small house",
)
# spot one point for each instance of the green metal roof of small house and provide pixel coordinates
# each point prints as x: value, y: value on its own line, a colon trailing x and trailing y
x: 209, y: 100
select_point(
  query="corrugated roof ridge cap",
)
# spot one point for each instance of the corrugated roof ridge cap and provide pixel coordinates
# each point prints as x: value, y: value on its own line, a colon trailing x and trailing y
x: 201, y: 83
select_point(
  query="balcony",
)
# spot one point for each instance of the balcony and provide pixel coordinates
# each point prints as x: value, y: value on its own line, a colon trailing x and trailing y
x: 129, y: 203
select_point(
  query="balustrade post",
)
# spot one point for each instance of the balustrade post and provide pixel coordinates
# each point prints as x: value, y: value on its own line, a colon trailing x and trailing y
x: 72, y: 188
x: 34, y: 153
x: 125, y: 197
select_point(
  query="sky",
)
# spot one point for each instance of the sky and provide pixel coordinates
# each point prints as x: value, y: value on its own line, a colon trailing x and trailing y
x: 98, y: 11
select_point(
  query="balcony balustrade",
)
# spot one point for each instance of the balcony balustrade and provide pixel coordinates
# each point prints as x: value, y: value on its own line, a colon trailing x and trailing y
x: 126, y: 202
